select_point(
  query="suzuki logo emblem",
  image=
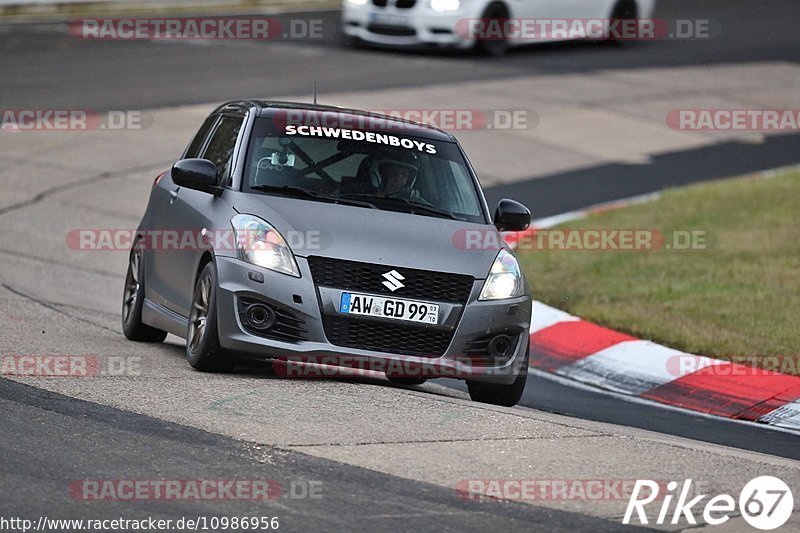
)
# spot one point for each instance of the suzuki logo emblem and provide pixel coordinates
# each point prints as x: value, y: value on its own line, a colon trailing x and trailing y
x: 392, y: 282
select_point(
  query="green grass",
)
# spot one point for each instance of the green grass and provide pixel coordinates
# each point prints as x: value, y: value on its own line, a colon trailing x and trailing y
x: 738, y: 297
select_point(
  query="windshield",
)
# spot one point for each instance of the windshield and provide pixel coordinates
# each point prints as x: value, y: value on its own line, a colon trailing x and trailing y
x: 381, y: 170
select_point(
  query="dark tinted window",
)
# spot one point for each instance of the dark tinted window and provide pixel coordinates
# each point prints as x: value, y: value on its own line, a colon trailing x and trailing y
x: 197, y: 143
x: 220, y: 147
x: 380, y: 166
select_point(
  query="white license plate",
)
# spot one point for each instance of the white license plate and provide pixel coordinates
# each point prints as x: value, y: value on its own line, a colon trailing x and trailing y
x: 393, y: 308
x: 389, y: 19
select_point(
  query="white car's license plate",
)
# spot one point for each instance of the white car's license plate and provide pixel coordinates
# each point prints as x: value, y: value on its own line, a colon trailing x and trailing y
x: 394, y: 308
x: 389, y: 19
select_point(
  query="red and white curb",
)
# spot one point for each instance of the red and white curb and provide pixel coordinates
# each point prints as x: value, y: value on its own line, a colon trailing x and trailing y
x: 579, y: 351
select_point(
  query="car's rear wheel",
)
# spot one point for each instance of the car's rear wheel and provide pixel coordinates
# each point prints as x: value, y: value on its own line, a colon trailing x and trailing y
x: 132, y: 302
x: 351, y: 41
x: 203, y: 350
x: 498, y: 394
x: 623, y: 10
x: 495, y: 13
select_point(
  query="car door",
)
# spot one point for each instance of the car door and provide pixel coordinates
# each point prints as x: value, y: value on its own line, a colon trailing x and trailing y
x: 157, y: 261
x: 190, y: 211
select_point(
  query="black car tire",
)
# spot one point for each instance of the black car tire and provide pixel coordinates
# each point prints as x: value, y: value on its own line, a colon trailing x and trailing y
x: 349, y: 41
x: 203, y: 350
x: 498, y: 394
x: 494, y: 47
x: 133, y: 301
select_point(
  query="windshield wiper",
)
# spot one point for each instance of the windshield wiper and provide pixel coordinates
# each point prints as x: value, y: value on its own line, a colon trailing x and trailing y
x: 415, y: 206
x: 299, y: 192
x: 288, y: 190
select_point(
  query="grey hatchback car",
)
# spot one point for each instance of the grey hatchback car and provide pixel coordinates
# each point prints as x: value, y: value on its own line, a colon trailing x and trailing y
x: 321, y: 237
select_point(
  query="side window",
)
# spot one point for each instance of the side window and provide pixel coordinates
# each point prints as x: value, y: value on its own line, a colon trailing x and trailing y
x: 197, y: 143
x: 220, y: 148
x: 460, y: 182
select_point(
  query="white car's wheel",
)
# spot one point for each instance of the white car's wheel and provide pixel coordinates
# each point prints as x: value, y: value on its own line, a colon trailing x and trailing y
x: 623, y: 10
x: 494, y: 47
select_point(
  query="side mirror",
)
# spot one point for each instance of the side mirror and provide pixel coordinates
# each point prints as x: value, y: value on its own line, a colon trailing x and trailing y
x: 199, y: 174
x: 511, y: 216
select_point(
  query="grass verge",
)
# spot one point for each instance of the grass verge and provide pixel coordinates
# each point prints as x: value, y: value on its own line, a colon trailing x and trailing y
x: 735, y: 297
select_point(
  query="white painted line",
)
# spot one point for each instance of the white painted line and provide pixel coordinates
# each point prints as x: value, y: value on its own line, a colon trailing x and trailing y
x: 555, y: 220
x: 786, y: 416
x: 545, y: 316
x: 631, y: 367
x: 568, y: 382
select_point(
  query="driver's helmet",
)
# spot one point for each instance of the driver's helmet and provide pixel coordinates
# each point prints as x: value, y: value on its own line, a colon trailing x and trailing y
x: 394, y: 173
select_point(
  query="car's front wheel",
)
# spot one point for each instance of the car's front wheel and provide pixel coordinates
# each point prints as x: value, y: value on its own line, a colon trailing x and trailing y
x: 203, y: 350
x: 132, y: 302
x: 499, y: 394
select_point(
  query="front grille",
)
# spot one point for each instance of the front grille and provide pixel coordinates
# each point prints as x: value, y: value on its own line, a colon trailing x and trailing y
x: 382, y: 337
x: 391, y: 31
x: 379, y: 3
x: 366, y: 334
x: 405, y: 4
x: 367, y: 277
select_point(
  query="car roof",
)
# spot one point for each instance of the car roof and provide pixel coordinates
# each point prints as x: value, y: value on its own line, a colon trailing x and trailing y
x: 271, y: 108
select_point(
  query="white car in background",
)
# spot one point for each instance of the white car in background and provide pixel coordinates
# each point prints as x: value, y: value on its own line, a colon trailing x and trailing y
x: 444, y: 23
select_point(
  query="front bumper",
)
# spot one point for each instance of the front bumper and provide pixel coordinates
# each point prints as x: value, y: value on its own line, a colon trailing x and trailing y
x: 419, y: 26
x: 300, y: 297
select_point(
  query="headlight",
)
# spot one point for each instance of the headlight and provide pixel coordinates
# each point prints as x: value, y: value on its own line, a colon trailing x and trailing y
x: 504, y: 280
x: 442, y: 6
x: 357, y: 2
x: 259, y: 243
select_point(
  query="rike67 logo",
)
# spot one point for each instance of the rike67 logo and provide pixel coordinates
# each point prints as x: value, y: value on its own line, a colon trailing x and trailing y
x: 765, y: 503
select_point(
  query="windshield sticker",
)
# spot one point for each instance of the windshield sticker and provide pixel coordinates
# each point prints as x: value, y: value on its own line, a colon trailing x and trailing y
x: 356, y: 135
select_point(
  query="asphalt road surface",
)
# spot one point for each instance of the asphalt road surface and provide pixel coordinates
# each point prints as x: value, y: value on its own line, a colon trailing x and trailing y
x: 50, y: 441
x: 45, y: 66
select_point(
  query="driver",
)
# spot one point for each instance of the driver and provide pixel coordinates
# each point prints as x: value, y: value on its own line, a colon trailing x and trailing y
x: 395, y: 176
